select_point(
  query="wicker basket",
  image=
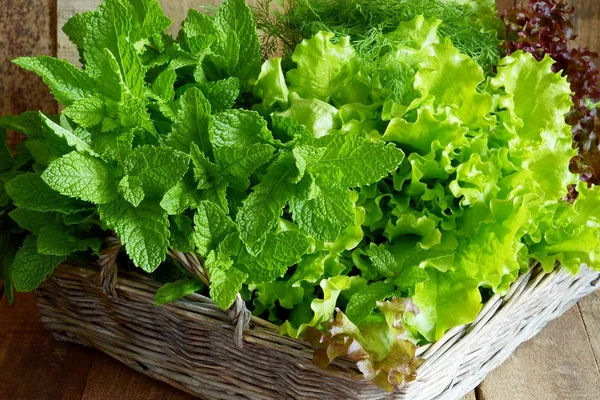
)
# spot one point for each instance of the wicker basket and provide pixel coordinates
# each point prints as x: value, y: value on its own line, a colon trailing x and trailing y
x: 188, y: 344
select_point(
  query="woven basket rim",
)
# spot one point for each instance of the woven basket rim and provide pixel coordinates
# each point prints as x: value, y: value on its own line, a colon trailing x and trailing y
x: 487, y: 307
x: 77, y: 309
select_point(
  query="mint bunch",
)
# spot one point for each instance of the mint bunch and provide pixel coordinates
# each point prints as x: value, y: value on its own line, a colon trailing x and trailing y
x: 154, y: 145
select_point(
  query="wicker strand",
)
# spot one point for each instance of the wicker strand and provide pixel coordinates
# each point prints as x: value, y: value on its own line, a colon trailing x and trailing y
x: 239, y: 314
x: 107, y: 278
x: 188, y: 343
x: 192, y: 264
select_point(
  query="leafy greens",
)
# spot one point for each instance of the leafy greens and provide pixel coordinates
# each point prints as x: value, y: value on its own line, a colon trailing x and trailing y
x: 366, y: 207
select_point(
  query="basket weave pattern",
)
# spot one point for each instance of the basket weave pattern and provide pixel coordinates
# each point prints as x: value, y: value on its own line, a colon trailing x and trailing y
x: 188, y: 344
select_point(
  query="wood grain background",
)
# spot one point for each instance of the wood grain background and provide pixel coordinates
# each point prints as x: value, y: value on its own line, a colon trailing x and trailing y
x: 561, y: 363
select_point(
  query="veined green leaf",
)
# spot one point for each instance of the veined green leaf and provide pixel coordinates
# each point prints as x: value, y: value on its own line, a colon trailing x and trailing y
x: 143, y: 230
x: 83, y: 177
x: 30, y: 268
x: 67, y: 83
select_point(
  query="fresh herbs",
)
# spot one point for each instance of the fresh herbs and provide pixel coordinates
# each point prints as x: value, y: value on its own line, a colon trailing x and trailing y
x: 361, y: 197
x: 471, y: 26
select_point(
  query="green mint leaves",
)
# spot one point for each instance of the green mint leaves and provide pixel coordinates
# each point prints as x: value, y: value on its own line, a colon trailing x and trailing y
x: 30, y: 268
x: 82, y: 176
x: 143, y: 229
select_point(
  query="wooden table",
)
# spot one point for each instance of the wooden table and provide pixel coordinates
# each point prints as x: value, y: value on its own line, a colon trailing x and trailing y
x: 561, y: 363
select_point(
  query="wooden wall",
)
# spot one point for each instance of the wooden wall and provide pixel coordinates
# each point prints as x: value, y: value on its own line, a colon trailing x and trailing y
x: 27, y: 28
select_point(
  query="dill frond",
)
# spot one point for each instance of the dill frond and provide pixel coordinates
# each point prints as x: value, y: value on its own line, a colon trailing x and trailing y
x: 366, y: 21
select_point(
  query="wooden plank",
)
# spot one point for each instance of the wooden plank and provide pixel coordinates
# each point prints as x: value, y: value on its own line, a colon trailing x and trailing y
x: 588, y: 21
x: 27, y: 28
x: 556, y: 365
x: 33, y: 364
x: 589, y: 309
x: 109, y: 379
x: 470, y: 396
x: 504, y: 5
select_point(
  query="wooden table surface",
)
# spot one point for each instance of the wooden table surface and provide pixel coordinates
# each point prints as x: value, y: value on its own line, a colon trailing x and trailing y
x: 561, y: 363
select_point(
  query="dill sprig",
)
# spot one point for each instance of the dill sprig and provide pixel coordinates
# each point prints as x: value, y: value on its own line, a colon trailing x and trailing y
x: 366, y: 21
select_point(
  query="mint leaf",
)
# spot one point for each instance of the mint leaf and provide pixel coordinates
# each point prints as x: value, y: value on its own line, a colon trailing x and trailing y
x: 231, y: 245
x: 199, y: 32
x: 212, y: 185
x: 110, y: 80
x: 29, y: 191
x: 326, y: 214
x: 281, y: 251
x: 143, y: 230
x: 81, y: 176
x: 174, y: 291
x: 224, y: 53
x: 40, y: 152
x: 239, y: 128
x: 76, y: 27
x: 79, y: 217
x: 112, y: 28
x: 205, y: 172
x: 30, y: 268
x: 164, y: 84
x: 290, y: 130
x: 262, y: 209
x: 132, y: 114
x: 362, y: 161
x: 383, y: 260
x: 182, y: 233
x: 132, y: 190
x: 362, y: 303
x: 238, y: 163
x: 67, y: 83
x: 192, y: 124
x: 87, y: 112
x: 157, y: 168
x: 150, y: 16
x: 180, y: 198
x: 211, y: 225
x: 225, y: 280
x: 6, y: 158
x: 54, y: 240
x: 115, y: 145
x: 28, y: 123
x: 409, y: 276
x: 225, y: 285
x: 70, y: 139
x: 32, y: 220
x: 222, y: 94
x: 404, y: 264
x: 235, y: 19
